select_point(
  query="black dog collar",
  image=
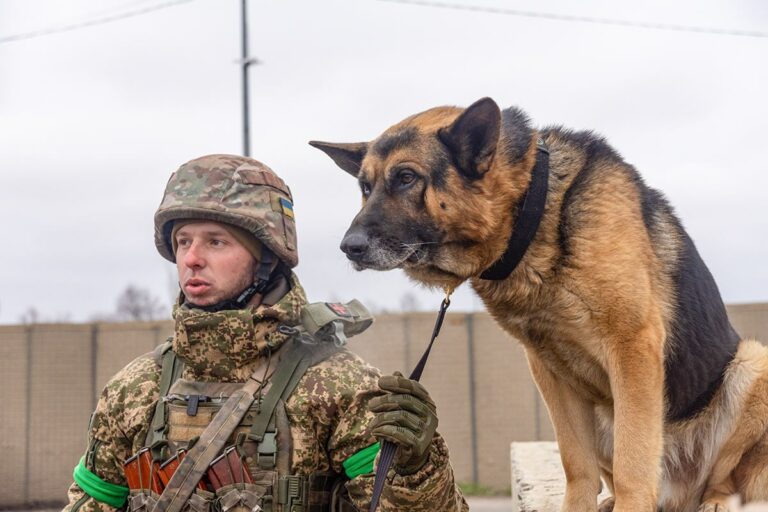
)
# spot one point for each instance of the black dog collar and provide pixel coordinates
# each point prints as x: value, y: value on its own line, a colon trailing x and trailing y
x: 529, y: 214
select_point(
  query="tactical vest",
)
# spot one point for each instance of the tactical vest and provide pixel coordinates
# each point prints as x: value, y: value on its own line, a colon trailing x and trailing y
x: 254, y: 472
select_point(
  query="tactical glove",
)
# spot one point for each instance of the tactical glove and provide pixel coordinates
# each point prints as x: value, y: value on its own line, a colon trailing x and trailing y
x: 405, y: 416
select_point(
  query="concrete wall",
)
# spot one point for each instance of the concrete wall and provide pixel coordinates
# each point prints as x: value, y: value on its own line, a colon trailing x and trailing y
x: 51, y: 375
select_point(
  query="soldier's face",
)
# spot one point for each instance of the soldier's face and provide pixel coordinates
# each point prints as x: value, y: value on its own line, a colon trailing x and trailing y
x: 212, y: 264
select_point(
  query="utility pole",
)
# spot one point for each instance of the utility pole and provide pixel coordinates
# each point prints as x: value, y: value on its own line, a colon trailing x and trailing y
x: 245, y: 63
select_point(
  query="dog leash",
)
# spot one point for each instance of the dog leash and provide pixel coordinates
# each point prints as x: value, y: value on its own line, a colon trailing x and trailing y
x: 388, y: 448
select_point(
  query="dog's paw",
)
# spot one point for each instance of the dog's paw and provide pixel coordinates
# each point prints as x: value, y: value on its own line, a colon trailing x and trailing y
x: 713, y: 507
x: 606, y: 505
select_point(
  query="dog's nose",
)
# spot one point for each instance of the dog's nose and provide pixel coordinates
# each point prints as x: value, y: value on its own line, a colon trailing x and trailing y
x: 354, y: 245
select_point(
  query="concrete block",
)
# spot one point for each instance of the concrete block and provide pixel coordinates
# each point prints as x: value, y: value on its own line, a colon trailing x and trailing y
x: 538, y: 480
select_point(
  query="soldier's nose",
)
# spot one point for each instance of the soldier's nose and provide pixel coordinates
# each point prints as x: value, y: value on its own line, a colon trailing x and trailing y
x: 355, y: 245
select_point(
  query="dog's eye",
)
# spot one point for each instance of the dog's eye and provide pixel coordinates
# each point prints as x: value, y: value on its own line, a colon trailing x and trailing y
x: 365, y: 188
x: 406, y: 177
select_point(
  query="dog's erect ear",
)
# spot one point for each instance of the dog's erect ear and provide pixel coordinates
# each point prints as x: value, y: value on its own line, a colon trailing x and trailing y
x: 473, y: 136
x: 347, y: 156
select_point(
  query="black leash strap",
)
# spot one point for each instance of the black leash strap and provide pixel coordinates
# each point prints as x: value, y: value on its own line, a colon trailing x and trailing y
x: 388, y: 449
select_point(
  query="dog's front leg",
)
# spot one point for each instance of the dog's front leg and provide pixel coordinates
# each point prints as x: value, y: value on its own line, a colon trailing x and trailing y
x: 636, y: 373
x: 573, y: 419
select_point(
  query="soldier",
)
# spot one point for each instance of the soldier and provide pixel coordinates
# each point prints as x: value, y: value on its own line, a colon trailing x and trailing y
x: 308, y: 441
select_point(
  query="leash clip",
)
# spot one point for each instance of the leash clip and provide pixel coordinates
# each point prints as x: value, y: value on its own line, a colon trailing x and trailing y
x: 447, y: 299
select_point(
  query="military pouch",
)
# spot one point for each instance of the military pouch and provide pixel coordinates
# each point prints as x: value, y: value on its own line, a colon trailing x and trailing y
x: 145, y: 501
x: 144, y: 481
x: 233, y: 484
x: 168, y: 467
x: 142, y: 500
x: 142, y: 473
x: 240, y: 497
x: 228, y: 469
x: 191, y: 406
x: 331, y: 321
x: 200, y: 501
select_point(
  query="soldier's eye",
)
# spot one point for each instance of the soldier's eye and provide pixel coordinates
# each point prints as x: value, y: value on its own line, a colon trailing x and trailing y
x: 365, y: 188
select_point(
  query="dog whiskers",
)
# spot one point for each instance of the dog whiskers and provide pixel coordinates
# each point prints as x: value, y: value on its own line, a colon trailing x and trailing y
x: 416, y: 245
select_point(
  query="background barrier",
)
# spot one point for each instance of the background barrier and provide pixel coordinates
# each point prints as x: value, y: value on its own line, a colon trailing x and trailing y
x: 51, y: 376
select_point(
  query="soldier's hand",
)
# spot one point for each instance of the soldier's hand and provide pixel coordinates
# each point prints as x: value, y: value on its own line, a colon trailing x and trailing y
x: 405, y: 416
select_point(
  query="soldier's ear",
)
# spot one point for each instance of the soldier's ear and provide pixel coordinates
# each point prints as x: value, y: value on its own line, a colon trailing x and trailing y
x: 473, y: 136
x: 347, y: 156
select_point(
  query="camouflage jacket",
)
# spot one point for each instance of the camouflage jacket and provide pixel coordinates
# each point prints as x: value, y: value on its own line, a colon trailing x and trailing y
x: 328, y: 410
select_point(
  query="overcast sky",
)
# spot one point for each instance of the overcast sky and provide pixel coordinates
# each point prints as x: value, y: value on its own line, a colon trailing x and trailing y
x: 94, y: 120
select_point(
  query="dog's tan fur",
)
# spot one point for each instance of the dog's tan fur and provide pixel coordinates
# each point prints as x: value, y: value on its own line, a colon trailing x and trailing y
x: 594, y: 303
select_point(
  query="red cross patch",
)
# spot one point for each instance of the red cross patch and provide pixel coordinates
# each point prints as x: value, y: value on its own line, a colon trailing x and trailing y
x: 339, y: 309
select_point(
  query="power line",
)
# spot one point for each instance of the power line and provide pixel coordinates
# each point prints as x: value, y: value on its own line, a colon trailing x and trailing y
x: 92, y: 22
x: 108, y: 10
x: 585, y: 19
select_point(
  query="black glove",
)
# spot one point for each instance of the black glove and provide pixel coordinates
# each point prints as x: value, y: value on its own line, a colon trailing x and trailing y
x: 405, y: 416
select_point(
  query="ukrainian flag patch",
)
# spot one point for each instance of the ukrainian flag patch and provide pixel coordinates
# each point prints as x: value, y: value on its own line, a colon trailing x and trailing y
x: 287, y: 207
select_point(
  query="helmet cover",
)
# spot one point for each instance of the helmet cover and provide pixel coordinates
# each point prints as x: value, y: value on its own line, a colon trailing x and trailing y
x: 233, y: 190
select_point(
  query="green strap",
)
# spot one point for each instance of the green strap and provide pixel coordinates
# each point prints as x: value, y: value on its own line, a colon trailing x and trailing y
x: 288, y: 373
x: 314, y: 354
x: 171, y: 371
x: 281, y: 379
x: 293, y: 364
x: 105, y: 492
x: 361, y: 462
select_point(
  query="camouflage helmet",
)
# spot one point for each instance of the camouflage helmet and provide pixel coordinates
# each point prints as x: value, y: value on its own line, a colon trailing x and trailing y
x: 234, y: 190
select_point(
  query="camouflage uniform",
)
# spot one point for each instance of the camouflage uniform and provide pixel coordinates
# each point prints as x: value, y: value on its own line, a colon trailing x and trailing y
x: 328, y: 413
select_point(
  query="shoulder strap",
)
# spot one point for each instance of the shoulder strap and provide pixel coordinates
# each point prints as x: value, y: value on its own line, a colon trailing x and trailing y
x: 315, y: 354
x: 267, y: 430
x: 171, y: 370
x: 289, y: 370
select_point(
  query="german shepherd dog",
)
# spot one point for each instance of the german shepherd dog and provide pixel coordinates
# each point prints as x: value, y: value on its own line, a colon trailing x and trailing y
x: 647, y: 384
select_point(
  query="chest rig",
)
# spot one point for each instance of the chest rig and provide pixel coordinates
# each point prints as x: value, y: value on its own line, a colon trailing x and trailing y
x: 254, y: 471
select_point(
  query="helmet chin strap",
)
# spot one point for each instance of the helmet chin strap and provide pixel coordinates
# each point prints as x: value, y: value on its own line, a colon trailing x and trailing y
x: 262, y: 280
